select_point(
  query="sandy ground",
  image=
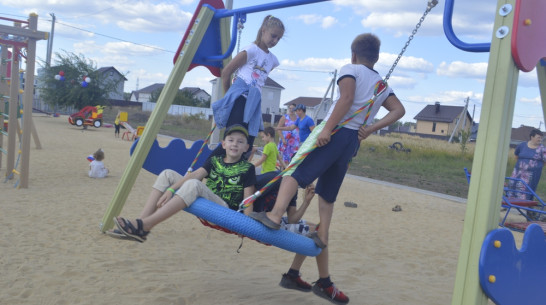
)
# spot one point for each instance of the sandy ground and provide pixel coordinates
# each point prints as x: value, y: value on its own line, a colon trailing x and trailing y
x: 54, y: 253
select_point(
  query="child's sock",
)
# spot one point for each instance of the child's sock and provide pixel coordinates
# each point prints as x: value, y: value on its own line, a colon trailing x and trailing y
x: 325, y: 282
x: 293, y: 272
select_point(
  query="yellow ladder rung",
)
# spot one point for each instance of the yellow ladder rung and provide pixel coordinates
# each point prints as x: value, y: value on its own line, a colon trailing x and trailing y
x: 16, y: 172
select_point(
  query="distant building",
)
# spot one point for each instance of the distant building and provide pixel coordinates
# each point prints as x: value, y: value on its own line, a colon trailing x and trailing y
x: 271, y: 96
x: 145, y: 94
x: 442, y: 120
x: 111, y: 74
x: 316, y: 107
x: 520, y: 134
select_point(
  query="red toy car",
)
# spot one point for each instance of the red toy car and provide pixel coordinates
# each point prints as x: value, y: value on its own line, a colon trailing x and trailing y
x: 88, y: 115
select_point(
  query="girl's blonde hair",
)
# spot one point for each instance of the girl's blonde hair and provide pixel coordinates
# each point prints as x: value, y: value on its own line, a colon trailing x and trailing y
x: 269, y: 22
x: 98, y: 155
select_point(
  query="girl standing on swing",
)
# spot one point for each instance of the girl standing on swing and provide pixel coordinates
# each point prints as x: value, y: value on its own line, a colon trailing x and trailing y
x: 242, y: 102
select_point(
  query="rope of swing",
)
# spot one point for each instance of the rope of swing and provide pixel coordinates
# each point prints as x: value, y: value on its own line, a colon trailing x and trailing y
x: 379, y: 89
x: 205, y: 142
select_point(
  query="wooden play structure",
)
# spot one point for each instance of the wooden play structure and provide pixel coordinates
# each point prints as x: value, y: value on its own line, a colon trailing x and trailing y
x: 23, y: 34
x: 488, y: 259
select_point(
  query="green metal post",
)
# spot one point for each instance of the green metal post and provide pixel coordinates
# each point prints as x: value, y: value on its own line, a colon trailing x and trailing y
x: 157, y: 117
x: 490, y: 157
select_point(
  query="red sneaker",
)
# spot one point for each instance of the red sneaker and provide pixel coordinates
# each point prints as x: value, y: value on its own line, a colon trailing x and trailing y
x: 296, y: 283
x: 331, y: 293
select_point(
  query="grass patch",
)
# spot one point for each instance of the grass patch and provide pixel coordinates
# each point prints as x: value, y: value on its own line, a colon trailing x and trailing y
x: 431, y: 164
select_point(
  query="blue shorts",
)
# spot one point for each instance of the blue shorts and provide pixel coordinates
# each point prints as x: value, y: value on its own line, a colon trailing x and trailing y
x: 329, y: 164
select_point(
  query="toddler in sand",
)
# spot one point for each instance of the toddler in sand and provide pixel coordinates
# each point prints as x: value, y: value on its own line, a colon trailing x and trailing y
x: 96, y: 168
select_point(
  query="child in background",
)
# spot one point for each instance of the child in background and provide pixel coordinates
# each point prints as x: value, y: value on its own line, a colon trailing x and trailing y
x: 242, y: 102
x: 117, y: 123
x: 96, y: 168
x: 330, y: 160
x: 270, y: 155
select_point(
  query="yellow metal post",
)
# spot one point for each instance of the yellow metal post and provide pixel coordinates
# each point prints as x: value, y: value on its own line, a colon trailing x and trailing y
x: 164, y: 101
x: 490, y: 157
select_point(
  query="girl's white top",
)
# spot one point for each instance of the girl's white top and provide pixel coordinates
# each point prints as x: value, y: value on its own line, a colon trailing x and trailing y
x: 257, y: 67
x: 366, y: 80
x: 97, y: 169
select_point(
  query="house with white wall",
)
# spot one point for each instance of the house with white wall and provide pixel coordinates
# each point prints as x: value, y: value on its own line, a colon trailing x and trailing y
x: 271, y: 96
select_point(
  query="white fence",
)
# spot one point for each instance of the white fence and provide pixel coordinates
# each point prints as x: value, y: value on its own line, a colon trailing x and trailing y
x: 180, y: 110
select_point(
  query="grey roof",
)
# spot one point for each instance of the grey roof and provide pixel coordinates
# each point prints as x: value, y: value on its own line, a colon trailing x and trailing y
x: 305, y: 100
x: 444, y: 113
x: 271, y: 83
x: 150, y: 88
x: 106, y: 69
x: 521, y: 133
x: 194, y: 90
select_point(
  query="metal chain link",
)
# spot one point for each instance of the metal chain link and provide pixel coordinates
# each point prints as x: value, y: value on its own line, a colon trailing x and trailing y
x: 240, y: 27
x: 430, y: 6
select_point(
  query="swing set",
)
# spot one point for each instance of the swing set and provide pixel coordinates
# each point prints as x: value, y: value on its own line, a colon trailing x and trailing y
x: 488, y: 258
x: 209, y: 24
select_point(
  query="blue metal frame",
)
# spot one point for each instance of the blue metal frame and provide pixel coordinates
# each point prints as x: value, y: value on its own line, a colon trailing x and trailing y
x: 450, y: 34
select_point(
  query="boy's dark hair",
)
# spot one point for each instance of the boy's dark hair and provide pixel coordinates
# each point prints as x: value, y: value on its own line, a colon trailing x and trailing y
x: 98, y: 155
x: 270, y: 131
x: 301, y: 107
x: 366, y: 46
x: 269, y: 22
x: 534, y: 132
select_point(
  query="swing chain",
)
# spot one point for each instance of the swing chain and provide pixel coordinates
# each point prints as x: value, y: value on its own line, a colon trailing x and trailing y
x: 240, y: 27
x: 430, y: 6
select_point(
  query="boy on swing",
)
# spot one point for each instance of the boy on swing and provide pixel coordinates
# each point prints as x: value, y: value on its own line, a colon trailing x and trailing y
x: 230, y: 179
x: 330, y: 160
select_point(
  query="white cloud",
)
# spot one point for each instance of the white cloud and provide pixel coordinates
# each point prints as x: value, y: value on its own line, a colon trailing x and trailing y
x: 528, y: 79
x: 462, y: 69
x: 325, y: 22
x: 328, y: 22
x: 325, y: 64
x: 407, y: 63
x: 533, y: 101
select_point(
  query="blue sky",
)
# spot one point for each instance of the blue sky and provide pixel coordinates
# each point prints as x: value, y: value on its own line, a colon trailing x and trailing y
x: 139, y: 39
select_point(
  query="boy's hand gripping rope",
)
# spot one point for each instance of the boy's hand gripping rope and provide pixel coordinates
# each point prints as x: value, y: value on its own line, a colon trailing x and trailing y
x: 190, y: 169
x: 380, y: 88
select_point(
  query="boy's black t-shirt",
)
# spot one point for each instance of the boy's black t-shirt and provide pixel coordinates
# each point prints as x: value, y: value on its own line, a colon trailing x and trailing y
x: 228, y: 180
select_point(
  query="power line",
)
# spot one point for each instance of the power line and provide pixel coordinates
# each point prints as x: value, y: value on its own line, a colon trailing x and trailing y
x: 115, y: 38
x: 95, y: 33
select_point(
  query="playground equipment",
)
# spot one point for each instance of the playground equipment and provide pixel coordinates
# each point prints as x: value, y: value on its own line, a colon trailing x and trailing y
x: 16, y: 38
x: 518, y: 43
x: 87, y: 116
x: 208, y: 23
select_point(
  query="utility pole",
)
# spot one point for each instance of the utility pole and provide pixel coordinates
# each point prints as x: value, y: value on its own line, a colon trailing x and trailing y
x: 50, y: 40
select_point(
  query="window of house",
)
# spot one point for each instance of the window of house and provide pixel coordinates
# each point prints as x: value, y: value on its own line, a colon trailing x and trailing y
x: 433, y: 126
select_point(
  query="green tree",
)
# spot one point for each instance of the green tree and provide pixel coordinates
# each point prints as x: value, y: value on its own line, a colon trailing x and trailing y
x: 70, y: 89
x: 464, y: 135
x: 182, y: 97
